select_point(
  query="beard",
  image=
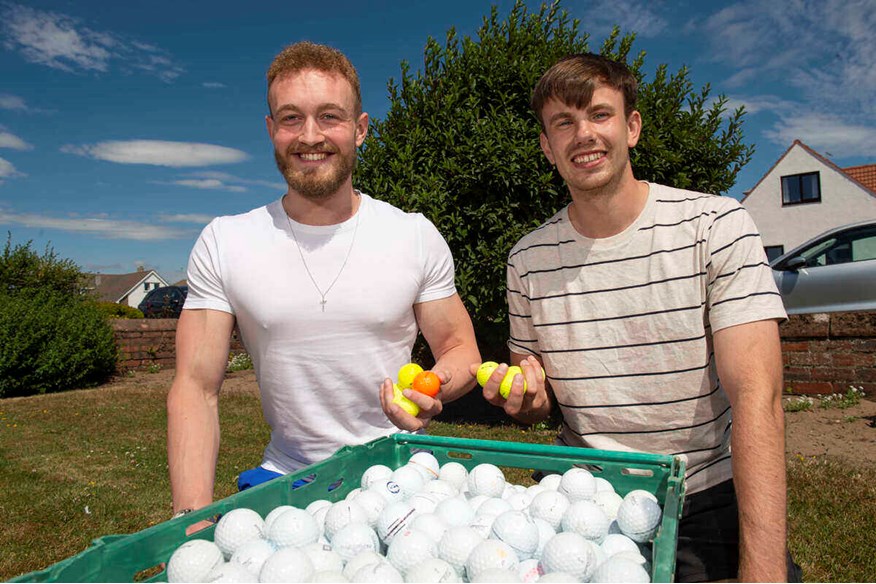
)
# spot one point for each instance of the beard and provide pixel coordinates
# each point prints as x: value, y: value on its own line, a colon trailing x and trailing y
x: 316, y: 184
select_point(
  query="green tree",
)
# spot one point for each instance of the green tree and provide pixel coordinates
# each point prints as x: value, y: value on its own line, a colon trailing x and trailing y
x: 460, y: 144
x: 22, y: 268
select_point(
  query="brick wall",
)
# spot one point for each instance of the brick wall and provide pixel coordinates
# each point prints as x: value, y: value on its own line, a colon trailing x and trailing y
x: 827, y: 353
x: 150, y: 341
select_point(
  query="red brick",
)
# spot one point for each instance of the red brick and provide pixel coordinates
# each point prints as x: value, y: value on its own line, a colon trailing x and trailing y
x: 853, y: 324
x: 795, y: 346
x: 810, y: 387
x: 866, y: 374
x: 797, y: 373
x: 854, y: 359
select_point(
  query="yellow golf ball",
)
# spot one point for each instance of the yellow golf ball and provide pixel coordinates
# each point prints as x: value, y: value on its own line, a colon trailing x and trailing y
x: 406, y: 404
x: 505, y: 388
x: 407, y: 373
x: 485, y: 370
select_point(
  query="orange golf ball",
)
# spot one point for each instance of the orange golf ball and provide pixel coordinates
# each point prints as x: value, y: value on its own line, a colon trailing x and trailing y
x: 427, y: 383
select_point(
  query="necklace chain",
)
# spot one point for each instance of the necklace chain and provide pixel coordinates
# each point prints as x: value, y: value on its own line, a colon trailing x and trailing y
x: 322, y: 294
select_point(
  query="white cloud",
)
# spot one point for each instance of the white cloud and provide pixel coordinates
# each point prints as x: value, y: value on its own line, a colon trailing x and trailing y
x: 640, y: 16
x: 7, y: 170
x: 187, y: 218
x: 758, y: 104
x: 214, y: 85
x: 9, y: 140
x: 824, y: 132
x: 230, y: 178
x: 12, y: 102
x: 209, y: 184
x: 158, y: 153
x: 105, y: 228
x: 65, y: 43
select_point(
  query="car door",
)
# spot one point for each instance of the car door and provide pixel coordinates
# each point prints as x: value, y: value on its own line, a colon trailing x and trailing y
x: 839, y: 274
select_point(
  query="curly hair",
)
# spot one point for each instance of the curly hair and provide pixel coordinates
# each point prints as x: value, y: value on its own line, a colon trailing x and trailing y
x: 307, y: 55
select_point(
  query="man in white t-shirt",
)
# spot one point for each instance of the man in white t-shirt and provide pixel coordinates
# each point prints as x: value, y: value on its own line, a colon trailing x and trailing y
x: 328, y: 288
x: 655, y: 316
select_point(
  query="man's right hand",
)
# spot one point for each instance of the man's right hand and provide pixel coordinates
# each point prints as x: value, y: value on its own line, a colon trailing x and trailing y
x: 528, y: 407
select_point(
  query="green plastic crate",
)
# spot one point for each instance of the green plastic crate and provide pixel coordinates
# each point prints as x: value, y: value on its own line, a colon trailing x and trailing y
x: 137, y: 557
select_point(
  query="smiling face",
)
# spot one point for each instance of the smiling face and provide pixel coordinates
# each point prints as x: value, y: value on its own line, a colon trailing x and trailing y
x: 315, y: 128
x: 590, y: 145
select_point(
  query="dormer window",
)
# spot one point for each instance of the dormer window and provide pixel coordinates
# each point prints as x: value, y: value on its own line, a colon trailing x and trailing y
x: 801, y: 188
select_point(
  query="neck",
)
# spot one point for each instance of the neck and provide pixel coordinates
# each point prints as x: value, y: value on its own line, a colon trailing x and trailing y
x: 608, y: 211
x: 331, y: 210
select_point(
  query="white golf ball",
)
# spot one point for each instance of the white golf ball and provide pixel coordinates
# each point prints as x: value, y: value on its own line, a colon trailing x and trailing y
x: 571, y: 553
x: 252, y: 555
x: 483, y: 524
x: 617, y: 542
x: 441, y: 489
x: 426, y: 463
x: 577, y: 484
x: 494, y: 506
x: 497, y: 575
x: 456, y: 545
x: 534, y: 490
x: 314, y: 506
x: 432, y: 570
x: 425, y: 502
x: 490, y: 553
x: 375, y: 473
x: 394, y: 518
x: 620, y: 569
x: 409, y: 548
x: 288, y: 564
x: 558, y: 577
x: 341, y: 514
x: 486, y: 479
x: 409, y: 479
x: 323, y: 557
x: 551, y: 481
x: 294, y: 527
x: 237, y: 527
x: 528, y: 570
x: 329, y: 576
x: 455, y: 511
x: 519, y: 531
x: 351, y: 496
x: 193, y: 561
x: 382, y: 572
x: 276, y: 512
x: 360, y: 560
x: 609, y: 501
x: 453, y: 473
x: 431, y: 525
x: 372, y: 503
x: 519, y: 501
x: 638, y: 516
x: 586, y: 518
x: 545, y: 532
x: 603, y: 485
x: 353, y: 539
x: 550, y: 506
x: 389, y: 490
x: 229, y: 572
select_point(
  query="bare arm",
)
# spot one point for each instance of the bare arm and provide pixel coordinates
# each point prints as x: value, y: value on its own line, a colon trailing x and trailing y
x: 749, y: 364
x: 202, y: 344
x: 527, y: 408
x: 447, y: 328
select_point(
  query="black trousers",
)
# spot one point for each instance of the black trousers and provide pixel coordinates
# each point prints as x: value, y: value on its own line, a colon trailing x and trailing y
x: 708, y: 538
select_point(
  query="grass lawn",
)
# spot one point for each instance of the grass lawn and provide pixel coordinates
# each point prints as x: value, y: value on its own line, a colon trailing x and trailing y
x: 83, y: 464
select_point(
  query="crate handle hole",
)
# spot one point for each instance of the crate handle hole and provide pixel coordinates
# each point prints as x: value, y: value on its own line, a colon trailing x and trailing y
x: 303, y: 481
x: 455, y: 454
x: 335, y: 485
x: 594, y: 468
x: 637, y: 472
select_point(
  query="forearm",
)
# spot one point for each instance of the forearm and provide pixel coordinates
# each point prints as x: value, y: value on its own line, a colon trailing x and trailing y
x: 192, y: 445
x: 759, y: 476
x: 456, y: 363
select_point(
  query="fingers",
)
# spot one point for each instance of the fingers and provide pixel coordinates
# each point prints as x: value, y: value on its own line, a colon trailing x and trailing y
x: 429, y: 408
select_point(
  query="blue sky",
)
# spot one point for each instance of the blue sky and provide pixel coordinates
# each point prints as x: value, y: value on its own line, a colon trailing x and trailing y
x: 126, y: 126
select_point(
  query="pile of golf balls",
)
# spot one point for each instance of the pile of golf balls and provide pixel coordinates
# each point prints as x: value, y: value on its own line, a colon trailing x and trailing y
x: 428, y: 523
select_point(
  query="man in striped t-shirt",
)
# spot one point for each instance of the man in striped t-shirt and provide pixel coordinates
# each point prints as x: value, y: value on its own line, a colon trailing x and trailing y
x: 654, y: 314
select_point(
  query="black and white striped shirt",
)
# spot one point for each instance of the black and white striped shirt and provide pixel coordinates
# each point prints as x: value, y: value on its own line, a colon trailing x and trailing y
x: 624, y: 324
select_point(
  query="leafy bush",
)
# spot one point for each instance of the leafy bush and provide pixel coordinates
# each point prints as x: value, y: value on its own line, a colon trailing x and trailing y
x: 460, y: 145
x: 239, y: 362
x: 22, y: 268
x: 51, y: 342
x: 116, y: 310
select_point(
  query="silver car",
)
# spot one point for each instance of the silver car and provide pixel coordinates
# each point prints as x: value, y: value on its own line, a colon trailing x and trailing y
x: 833, y: 272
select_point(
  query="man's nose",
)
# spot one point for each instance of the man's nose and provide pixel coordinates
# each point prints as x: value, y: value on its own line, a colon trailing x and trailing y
x: 310, y: 132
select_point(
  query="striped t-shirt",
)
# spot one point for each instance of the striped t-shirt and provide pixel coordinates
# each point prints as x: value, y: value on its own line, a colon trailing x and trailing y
x: 624, y: 324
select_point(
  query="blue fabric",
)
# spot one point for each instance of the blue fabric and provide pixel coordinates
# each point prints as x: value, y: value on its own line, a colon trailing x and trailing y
x: 255, y: 476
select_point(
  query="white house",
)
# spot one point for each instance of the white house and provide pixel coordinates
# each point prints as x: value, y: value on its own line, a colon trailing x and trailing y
x: 805, y: 194
x: 127, y: 289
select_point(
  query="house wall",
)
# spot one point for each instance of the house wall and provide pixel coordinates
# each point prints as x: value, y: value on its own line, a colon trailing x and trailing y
x: 137, y: 294
x: 842, y: 202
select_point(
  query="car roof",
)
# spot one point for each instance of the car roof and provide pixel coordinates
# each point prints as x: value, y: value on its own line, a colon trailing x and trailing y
x: 828, y: 233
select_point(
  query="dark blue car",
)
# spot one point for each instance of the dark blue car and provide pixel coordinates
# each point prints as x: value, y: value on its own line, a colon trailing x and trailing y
x: 166, y: 302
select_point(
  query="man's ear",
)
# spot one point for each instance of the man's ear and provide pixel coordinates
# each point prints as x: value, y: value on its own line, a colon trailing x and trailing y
x: 361, y: 128
x: 546, y: 148
x: 634, y: 128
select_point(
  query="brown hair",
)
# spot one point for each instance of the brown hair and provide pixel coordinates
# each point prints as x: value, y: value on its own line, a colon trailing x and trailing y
x: 306, y: 55
x: 573, y: 79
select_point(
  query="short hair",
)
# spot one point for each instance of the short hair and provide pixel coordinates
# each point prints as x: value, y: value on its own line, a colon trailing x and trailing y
x: 307, y: 55
x: 573, y: 79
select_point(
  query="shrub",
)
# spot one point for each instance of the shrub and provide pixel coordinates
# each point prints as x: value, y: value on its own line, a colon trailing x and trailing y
x: 239, y: 362
x: 116, y: 310
x: 22, y: 268
x: 51, y: 341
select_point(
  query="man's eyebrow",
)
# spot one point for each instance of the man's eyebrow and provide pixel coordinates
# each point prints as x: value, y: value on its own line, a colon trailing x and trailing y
x: 559, y: 116
x: 323, y: 107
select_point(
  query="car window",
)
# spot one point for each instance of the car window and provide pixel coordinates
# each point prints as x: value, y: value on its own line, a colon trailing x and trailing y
x: 864, y: 248
x: 817, y: 254
x: 853, y: 246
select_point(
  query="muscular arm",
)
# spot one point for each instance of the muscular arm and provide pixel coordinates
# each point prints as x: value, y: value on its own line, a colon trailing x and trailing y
x: 750, y: 368
x: 202, y: 344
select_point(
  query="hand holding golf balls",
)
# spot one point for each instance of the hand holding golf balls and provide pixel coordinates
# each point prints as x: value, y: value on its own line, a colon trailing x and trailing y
x: 486, y: 369
x: 412, y: 376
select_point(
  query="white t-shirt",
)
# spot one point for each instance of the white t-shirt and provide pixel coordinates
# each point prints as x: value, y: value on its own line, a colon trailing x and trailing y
x: 319, y: 372
x: 624, y: 324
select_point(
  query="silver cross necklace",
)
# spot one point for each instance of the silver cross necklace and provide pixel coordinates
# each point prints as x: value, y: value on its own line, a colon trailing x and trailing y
x: 322, y: 294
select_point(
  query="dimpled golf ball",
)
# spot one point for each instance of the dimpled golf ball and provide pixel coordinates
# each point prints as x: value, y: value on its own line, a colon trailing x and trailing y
x: 431, y: 525
x: 432, y: 570
x: 372, y: 503
x: 425, y: 502
x: 558, y: 577
x: 228, y: 572
x: 294, y: 527
x: 252, y: 555
x: 382, y: 572
x: 519, y: 531
x: 505, y: 387
x: 486, y: 479
x: 407, y: 373
x: 485, y: 371
x: 341, y: 514
x: 328, y: 576
x: 276, y: 511
x: 404, y: 403
x: 483, y: 524
x: 453, y: 473
x: 323, y: 557
x: 494, y: 506
x: 609, y: 501
x: 577, y: 484
x: 456, y: 545
x: 619, y: 569
x: 374, y: 473
x: 455, y: 511
x: 409, y: 479
x: 237, y: 527
x: 497, y: 575
x: 353, y: 539
x: 571, y: 553
x: 551, y: 481
x: 490, y: 553
x: 549, y: 506
x: 360, y: 560
x: 617, y: 542
x: 287, y: 565
x: 545, y: 533
x: 426, y: 463
x: 409, y: 548
x: 389, y: 490
x: 638, y: 516
x: 394, y: 518
x: 427, y: 383
x: 193, y: 561
x: 528, y: 570
x: 587, y: 519
x: 442, y: 489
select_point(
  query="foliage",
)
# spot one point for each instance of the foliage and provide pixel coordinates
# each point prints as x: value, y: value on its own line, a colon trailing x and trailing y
x: 798, y: 404
x: 239, y: 362
x: 50, y: 341
x: 116, y: 310
x: 22, y: 269
x: 842, y: 401
x: 460, y: 144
